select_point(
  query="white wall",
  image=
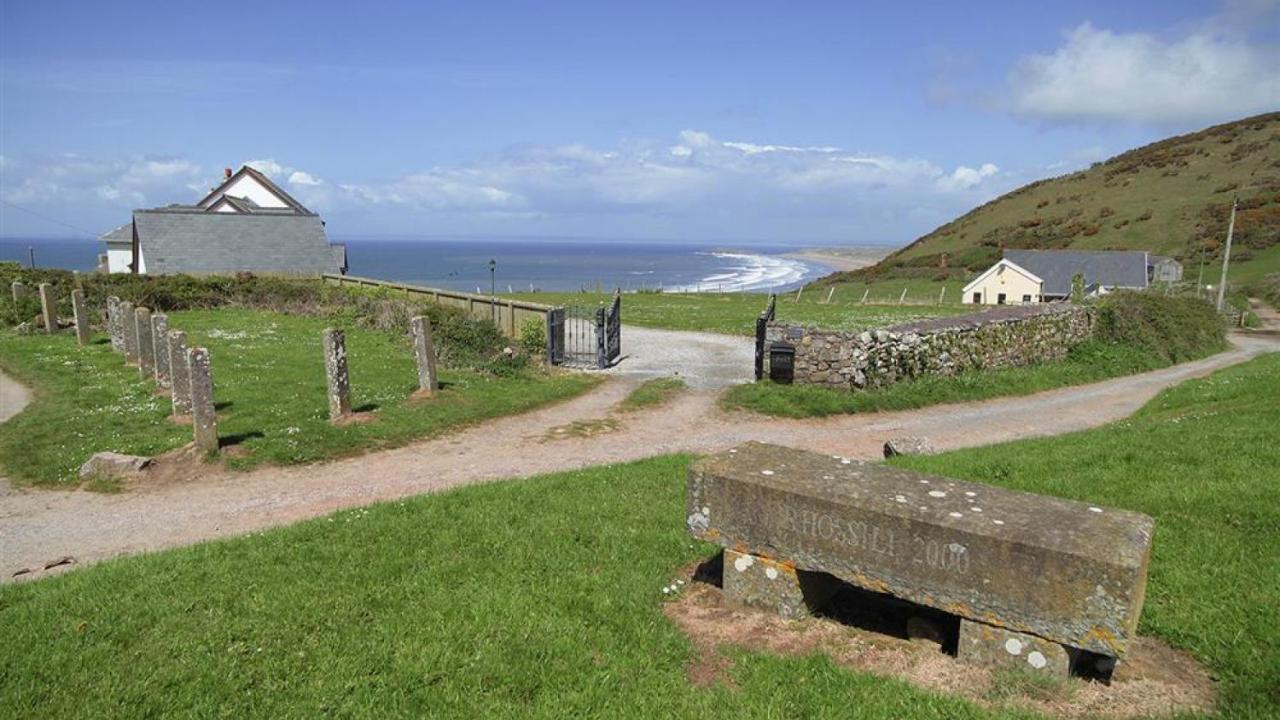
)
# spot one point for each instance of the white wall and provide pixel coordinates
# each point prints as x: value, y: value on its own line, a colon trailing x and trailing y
x: 1005, y: 280
x: 118, y: 257
x: 248, y: 187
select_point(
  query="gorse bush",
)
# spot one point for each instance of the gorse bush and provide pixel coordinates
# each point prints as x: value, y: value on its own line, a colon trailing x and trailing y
x: 461, y: 341
x: 1173, y: 328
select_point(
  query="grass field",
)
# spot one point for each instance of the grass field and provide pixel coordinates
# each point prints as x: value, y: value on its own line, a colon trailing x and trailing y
x: 542, y: 598
x: 1089, y: 362
x: 270, y: 392
x: 653, y: 393
x: 736, y: 313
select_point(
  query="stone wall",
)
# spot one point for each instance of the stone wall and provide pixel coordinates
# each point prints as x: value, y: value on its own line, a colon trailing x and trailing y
x: 999, y: 338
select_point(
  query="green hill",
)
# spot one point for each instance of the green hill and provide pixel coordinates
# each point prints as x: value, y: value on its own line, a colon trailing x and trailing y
x: 1172, y: 197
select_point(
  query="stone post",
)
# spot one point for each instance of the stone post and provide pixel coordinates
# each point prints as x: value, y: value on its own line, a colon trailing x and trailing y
x: 335, y: 367
x: 204, y: 420
x: 160, y: 337
x: 82, y: 317
x: 424, y: 352
x: 115, y: 325
x: 48, y: 309
x: 180, y: 376
x: 19, y: 291
x: 146, y: 348
x: 129, y: 333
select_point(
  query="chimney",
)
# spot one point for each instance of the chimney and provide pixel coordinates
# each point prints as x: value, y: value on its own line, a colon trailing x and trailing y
x: 226, y: 173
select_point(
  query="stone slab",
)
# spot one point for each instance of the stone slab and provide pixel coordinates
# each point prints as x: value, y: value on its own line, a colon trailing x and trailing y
x: 204, y: 419
x: 180, y: 374
x: 160, y: 339
x: 129, y: 328
x: 335, y: 368
x: 115, y: 326
x: 424, y: 353
x: 1063, y: 570
x: 81, y: 316
x: 48, y: 308
x: 19, y: 291
x: 984, y: 644
x: 146, y: 346
x: 113, y: 464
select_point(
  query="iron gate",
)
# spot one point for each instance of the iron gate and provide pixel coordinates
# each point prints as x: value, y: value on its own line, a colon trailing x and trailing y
x: 585, y: 335
x: 762, y: 324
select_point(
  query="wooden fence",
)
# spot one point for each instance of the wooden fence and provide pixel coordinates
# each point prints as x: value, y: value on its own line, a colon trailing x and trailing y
x: 509, y: 315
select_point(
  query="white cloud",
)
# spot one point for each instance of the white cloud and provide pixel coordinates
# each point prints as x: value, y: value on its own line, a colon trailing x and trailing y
x: 298, y: 177
x: 269, y: 167
x: 1102, y: 75
x: 963, y: 178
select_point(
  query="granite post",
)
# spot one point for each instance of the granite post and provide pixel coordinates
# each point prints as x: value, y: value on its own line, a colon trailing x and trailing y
x: 160, y: 338
x: 115, y: 326
x: 146, y: 347
x: 19, y: 291
x: 335, y: 367
x: 180, y: 376
x: 129, y: 333
x: 424, y: 352
x: 204, y: 420
x: 81, y: 316
x: 48, y: 310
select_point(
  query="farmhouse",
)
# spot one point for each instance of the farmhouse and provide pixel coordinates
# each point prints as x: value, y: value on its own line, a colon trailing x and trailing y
x: 1032, y: 276
x: 245, y: 224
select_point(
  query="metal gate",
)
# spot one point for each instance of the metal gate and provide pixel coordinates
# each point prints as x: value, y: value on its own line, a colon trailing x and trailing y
x: 587, y: 336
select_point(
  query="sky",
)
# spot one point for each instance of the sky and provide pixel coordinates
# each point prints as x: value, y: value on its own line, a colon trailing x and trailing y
x: 801, y: 123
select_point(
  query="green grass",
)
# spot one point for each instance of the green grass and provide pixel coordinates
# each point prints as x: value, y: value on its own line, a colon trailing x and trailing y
x: 736, y: 313
x: 542, y: 597
x: 652, y: 393
x: 1088, y: 362
x: 269, y: 387
x: 1202, y: 459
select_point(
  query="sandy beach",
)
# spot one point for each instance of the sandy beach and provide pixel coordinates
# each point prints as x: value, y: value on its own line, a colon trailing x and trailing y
x: 842, y: 259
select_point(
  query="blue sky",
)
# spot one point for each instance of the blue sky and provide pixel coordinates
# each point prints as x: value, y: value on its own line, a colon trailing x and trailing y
x: 806, y: 123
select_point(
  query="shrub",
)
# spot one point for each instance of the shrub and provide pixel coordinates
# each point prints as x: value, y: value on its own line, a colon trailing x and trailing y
x: 533, y: 337
x: 1173, y: 328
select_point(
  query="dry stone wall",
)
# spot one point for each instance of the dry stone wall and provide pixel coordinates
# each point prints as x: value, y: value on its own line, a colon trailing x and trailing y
x: 999, y: 338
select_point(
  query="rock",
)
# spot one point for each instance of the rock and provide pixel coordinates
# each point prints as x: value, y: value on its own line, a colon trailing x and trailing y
x: 113, y: 464
x: 907, y: 445
x: 1065, y: 571
x: 986, y: 645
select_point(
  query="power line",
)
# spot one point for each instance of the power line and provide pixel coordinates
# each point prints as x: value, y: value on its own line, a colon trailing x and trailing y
x: 91, y: 235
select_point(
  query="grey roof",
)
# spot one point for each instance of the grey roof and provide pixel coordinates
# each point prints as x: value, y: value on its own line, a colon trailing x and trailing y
x: 1108, y: 268
x: 175, y: 240
x: 122, y: 234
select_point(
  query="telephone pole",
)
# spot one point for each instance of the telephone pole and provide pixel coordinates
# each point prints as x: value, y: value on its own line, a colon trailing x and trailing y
x: 1226, y: 256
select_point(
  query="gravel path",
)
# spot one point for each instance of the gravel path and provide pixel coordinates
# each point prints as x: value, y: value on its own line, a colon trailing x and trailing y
x: 37, y: 526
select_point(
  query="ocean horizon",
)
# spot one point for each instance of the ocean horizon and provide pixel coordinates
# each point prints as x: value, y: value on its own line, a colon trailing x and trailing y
x: 525, y: 265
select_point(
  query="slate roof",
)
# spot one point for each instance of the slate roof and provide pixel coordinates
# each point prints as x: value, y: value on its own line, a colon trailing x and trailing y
x: 177, y: 240
x: 122, y: 234
x: 1108, y: 268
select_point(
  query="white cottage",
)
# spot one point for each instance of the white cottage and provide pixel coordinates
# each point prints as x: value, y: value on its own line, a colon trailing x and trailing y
x: 246, y: 224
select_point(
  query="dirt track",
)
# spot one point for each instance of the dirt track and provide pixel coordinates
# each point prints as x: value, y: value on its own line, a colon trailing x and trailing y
x: 37, y: 526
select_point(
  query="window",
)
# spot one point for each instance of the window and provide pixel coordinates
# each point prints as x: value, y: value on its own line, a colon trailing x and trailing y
x: 977, y: 298
x: 1000, y: 299
x: 1026, y: 298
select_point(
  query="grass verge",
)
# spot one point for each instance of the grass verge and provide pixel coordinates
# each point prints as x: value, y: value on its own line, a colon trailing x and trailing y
x: 736, y: 313
x: 1088, y: 362
x: 652, y: 393
x: 270, y: 391
x: 541, y: 598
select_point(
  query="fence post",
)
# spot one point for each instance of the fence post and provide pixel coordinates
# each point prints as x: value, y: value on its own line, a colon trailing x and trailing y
x: 146, y: 347
x: 115, y: 324
x: 48, y: 310
x: 129, y: 328
x: 902, y: 300
x: 180, y: 373
x: 160, y: 337
x: 864, y: 296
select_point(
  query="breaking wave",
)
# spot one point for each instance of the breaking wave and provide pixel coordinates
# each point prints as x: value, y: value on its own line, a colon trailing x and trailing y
x: 743, y: 272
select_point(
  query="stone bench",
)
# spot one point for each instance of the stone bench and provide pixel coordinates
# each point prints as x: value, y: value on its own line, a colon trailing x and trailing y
x: 1033, y: 579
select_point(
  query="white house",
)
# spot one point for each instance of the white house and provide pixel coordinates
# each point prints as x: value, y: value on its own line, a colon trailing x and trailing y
x: 245, y: 224
x: 1032, y: 276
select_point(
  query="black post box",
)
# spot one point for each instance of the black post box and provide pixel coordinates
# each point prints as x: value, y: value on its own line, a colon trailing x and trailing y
x: 782, y: 362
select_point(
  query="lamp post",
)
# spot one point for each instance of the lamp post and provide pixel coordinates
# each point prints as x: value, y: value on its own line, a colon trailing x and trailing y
x: 493, y: 291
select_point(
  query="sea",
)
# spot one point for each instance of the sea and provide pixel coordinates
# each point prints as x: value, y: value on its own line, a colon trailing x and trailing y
x: 525, y: 264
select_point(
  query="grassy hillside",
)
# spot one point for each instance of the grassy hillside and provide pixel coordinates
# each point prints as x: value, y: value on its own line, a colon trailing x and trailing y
x: 1172, y: 197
